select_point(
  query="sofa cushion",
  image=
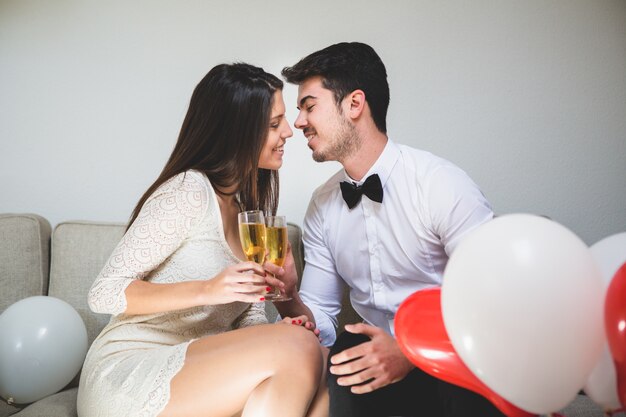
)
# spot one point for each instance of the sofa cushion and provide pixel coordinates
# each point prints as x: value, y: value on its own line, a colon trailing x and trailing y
x: 294, y: 233
x: 62, y: 404
x: 79, y: 251
x: 24, y: 252
x: 7, y: 409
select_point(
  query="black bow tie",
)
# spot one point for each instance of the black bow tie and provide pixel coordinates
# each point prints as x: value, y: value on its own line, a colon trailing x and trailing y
x: 352, y: 193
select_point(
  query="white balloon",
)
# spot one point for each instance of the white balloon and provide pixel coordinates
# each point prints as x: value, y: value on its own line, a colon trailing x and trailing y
x: 522, y: 301
x: 610, y: 255
x: 42, y: 348
x: 601, y: 386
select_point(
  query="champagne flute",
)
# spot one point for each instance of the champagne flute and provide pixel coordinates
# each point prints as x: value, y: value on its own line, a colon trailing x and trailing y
x: 276, y: 243
x: 252, y: 235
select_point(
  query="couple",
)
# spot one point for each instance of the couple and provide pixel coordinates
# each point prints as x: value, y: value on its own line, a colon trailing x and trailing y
x: 188, y: 335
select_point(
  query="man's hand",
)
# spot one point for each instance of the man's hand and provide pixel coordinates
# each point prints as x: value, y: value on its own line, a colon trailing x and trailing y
x: 379, y: 361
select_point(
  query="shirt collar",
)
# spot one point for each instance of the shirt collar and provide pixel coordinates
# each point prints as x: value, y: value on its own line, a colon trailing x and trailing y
x: 383, y: 165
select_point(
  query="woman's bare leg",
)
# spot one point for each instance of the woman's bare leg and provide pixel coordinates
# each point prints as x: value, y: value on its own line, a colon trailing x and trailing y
x: 267, y: 370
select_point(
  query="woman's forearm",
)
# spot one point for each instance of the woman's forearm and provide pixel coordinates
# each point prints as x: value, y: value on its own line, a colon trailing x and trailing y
x: 143, y: 297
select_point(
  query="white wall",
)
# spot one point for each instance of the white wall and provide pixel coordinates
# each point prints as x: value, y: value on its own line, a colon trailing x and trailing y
x: 529, y: 97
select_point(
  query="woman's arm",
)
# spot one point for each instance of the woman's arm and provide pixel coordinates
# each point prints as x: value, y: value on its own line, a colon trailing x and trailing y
x: 235, y: 283
x: 163, y: 224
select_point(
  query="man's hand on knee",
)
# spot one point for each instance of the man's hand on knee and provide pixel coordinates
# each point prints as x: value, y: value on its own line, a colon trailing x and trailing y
x: 370, y: 365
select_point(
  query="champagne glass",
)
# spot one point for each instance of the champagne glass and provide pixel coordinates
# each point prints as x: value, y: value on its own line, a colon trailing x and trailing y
x: 276, y: 243
x: 252, y: 235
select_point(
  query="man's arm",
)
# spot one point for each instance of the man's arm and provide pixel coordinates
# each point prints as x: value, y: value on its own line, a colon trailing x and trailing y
x: 456, y: 205
x: 321, y: 288
x: 314, y: 301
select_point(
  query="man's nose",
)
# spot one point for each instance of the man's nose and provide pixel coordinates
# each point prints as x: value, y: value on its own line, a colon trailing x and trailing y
x: 300, y: 122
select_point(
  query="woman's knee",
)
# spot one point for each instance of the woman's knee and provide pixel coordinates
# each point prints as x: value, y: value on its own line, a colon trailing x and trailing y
x: 301, y: 349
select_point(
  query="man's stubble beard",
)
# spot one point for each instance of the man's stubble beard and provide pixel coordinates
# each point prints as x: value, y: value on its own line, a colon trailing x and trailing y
x: 345, y: 143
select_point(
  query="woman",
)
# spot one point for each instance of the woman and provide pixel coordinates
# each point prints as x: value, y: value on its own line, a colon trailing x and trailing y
x: 187, y: 336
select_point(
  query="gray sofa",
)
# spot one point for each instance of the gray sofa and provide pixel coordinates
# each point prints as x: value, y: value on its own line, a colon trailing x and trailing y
x: 34, y: 260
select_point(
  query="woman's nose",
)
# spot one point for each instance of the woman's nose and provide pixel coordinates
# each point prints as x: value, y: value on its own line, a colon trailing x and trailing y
x: 287, y: 133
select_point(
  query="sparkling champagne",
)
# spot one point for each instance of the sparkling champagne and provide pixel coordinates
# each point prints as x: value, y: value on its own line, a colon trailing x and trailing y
x: 252, y: 237
x: 276, y: 242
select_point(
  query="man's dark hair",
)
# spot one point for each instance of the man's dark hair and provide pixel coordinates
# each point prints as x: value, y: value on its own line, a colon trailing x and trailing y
x: 345, y: 67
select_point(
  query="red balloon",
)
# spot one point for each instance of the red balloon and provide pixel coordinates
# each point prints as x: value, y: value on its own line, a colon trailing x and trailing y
x: 615, y: 324
x: 423, y: 338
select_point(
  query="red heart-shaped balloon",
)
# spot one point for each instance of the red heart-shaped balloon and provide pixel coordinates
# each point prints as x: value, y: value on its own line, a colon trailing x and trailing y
x: 423, y: 338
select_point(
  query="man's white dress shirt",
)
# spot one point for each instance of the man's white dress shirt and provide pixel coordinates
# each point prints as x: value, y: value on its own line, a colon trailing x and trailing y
x: 386, y: 251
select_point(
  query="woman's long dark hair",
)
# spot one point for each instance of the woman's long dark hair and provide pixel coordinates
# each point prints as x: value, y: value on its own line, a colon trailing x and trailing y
x: 223, y: 134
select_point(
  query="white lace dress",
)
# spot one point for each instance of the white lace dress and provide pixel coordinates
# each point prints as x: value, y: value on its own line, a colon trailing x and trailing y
x: 178, y: 236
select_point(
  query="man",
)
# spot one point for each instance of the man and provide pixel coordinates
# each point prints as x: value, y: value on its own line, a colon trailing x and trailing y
x: 385, y: 245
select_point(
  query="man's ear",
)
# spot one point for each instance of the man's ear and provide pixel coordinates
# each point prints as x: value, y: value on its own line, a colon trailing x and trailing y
x: 355, y: 102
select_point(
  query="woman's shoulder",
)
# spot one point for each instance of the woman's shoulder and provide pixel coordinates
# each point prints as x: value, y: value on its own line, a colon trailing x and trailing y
x: 188, y: 181
x: 189, y: 191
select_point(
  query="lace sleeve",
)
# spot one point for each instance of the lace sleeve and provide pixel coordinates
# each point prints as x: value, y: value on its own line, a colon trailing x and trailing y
x: 164, y: 222
x: 255, y: 314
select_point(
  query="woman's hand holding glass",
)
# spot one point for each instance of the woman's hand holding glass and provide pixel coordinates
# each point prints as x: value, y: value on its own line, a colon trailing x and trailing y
x: 243, y: 282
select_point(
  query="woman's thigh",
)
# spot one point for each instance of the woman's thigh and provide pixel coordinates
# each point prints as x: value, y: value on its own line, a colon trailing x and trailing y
x: 221, y: 371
